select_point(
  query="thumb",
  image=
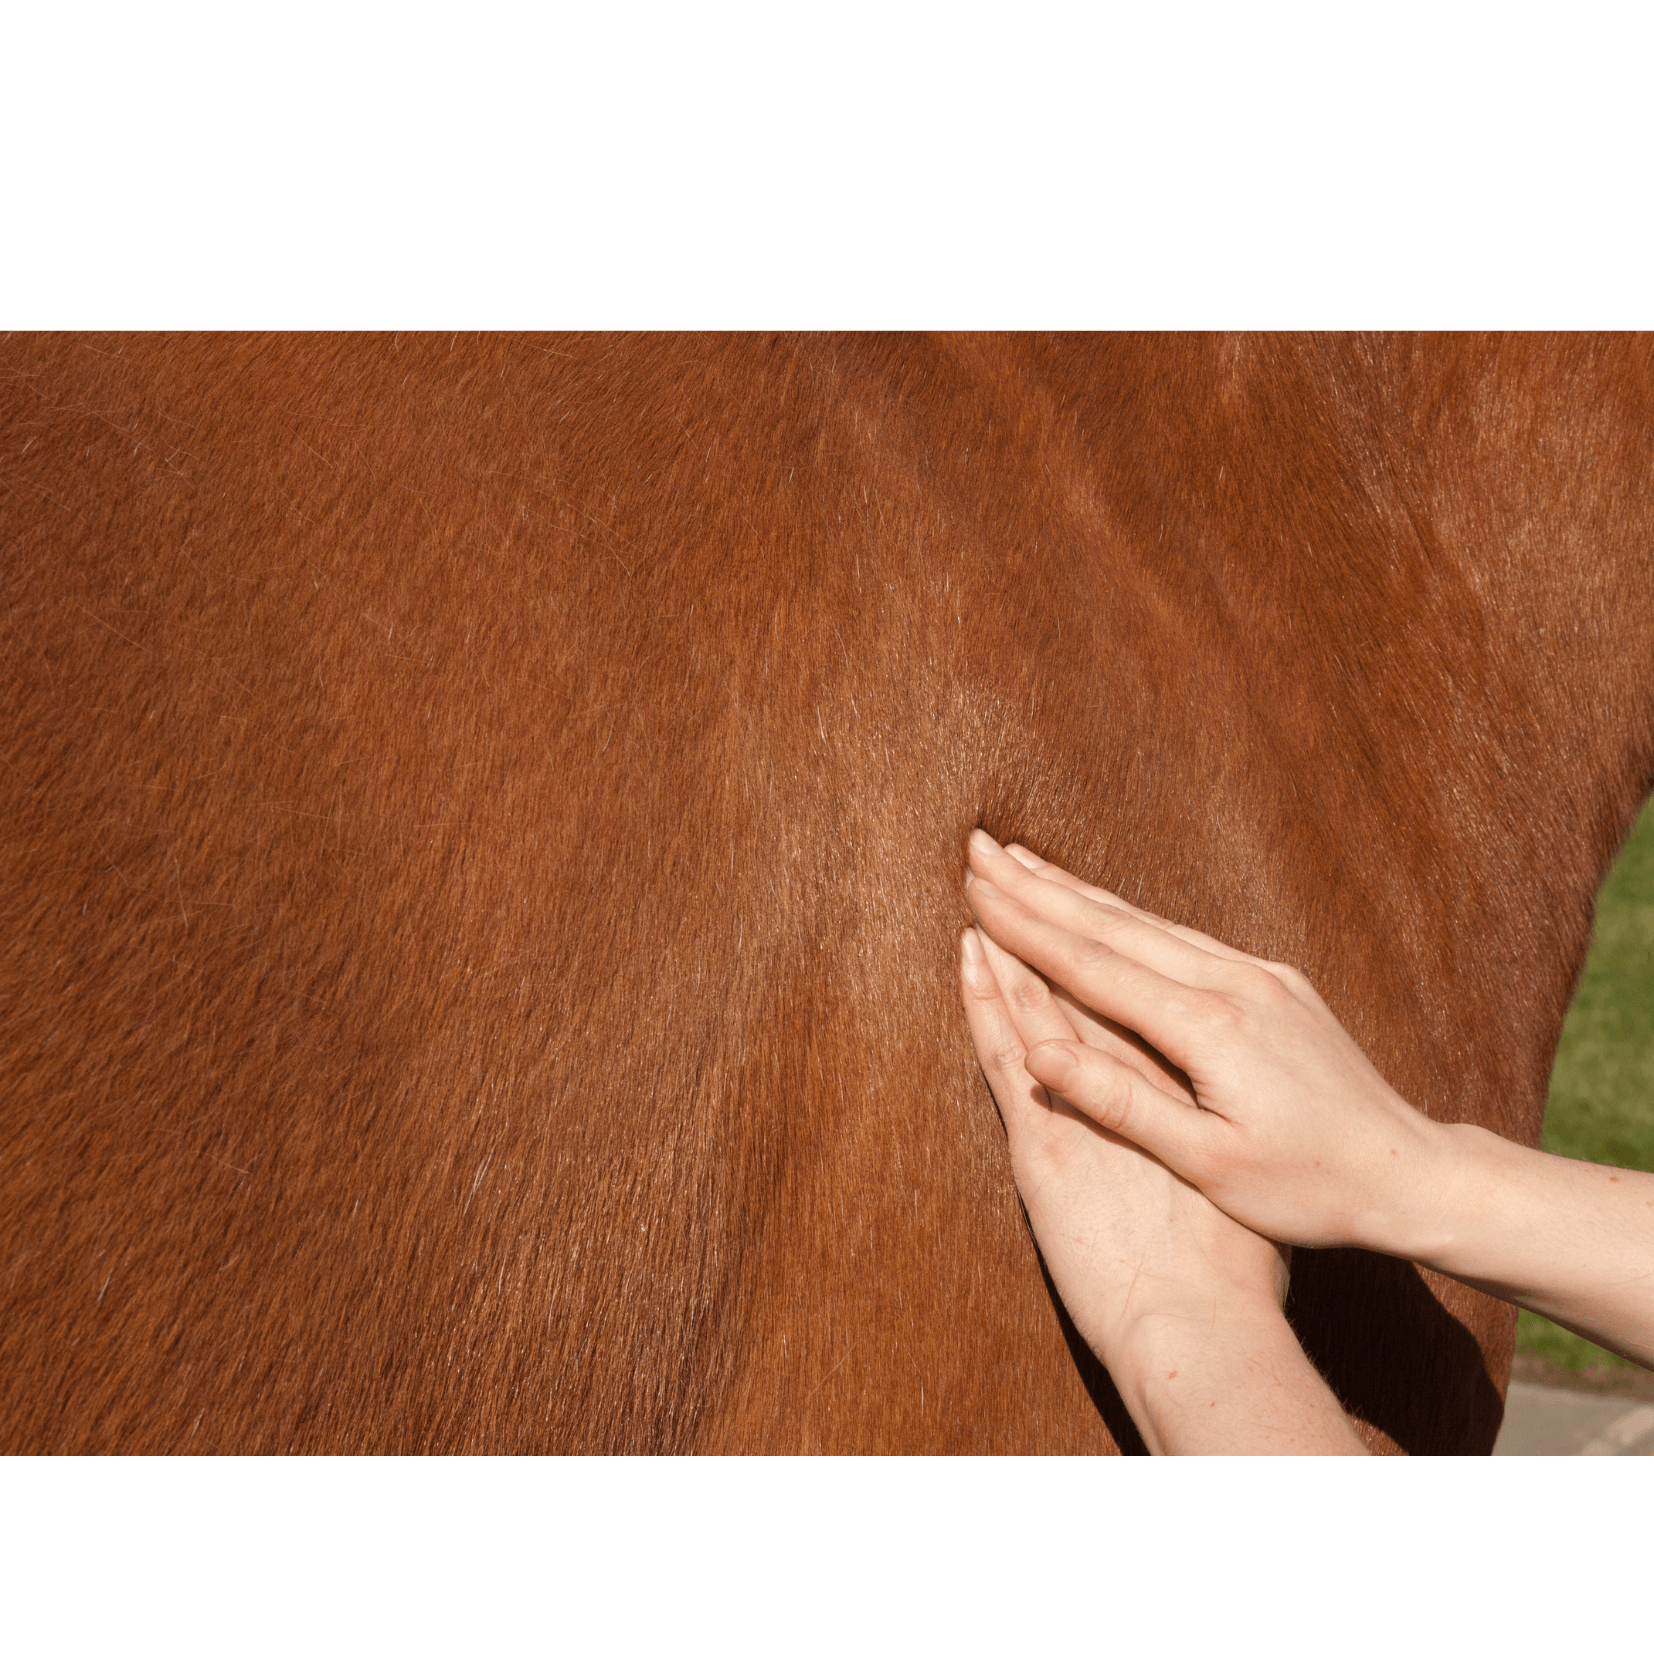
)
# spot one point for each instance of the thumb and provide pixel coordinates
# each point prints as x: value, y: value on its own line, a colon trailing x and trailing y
x: 1120, y: 1100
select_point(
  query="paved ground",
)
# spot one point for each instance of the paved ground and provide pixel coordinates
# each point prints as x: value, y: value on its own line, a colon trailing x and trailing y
x: 1540, y: 1420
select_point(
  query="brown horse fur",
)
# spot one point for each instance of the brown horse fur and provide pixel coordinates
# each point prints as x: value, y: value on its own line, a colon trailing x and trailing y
x: 484, y: 834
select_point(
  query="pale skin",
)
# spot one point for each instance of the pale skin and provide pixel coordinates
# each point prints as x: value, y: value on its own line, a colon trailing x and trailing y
x: 1290, y: 1133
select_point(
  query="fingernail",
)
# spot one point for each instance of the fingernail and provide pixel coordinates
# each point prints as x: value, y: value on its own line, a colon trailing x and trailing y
x: 970, y: 945
x: 970, y: 877
x: 981, y: 840
x: 1052, y: 1065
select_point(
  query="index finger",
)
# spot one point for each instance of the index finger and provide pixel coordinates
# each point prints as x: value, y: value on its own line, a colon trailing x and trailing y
x: 1110, y: 981
x: 1122, y: 929
x: 1111, y: 899
x: 999, y: 1048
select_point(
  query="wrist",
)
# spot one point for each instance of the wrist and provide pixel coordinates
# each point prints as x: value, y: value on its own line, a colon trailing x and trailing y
x: 1490, y: 1212
x: 1181, y: 1337
x: 1232, y: 1380
x: 1234, y: 1295
x: 1414, y: 1202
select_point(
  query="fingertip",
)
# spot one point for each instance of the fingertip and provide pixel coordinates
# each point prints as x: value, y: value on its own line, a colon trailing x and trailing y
x: 974, y: 968
x: 1024, y: 855
x: 1052, y: 1063
x: 992, y: 951
x: 978, y: 891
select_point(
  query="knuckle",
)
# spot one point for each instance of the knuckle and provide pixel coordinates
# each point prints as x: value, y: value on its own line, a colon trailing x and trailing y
x: 1220, y: 1016
x: 1119, y: 1095
x: 1111, y: 1096
x: 1028, y: 993
x: 1005, y: 1055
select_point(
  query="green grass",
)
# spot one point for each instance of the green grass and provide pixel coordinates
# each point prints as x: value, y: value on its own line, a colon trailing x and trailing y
x: 1601, y: 1103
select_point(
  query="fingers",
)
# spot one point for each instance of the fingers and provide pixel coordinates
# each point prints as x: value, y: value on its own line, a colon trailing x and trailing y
x: 1149, y: 943
x: 999, y: 1048
x: 1039, y: 1013
x: 1035, y: 1012
x: 1114, y: 1039
x: 1042, y: 1013
x: 1053, y: 874
x: 1107, y: 898
x: 1108, y: 980
x: 1106, y: 1091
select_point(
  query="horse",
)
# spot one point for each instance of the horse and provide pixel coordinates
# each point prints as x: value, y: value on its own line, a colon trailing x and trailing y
x: 485, y: 835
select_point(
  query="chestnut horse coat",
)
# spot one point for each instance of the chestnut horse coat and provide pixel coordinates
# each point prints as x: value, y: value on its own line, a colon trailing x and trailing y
x: 484, y: 829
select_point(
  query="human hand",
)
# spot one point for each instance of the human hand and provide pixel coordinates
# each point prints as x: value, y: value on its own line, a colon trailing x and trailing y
x: 1126, y: 1242
x: 1295, y: 1135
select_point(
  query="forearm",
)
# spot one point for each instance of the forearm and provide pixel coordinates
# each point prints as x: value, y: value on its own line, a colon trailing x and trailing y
x: 1568, y: 1239
x: 1231, y: 1379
